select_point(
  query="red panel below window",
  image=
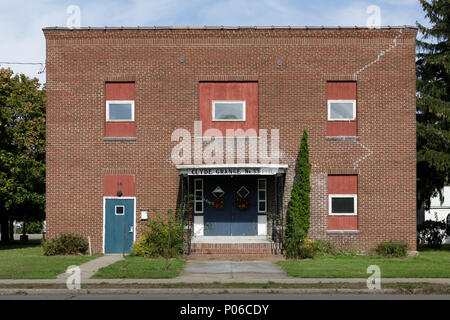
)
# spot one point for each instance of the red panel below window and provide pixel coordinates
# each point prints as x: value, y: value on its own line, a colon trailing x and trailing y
x: 341, y: 129
x: 342, y: 222
x: 113, y: 183
x: 120, y: 129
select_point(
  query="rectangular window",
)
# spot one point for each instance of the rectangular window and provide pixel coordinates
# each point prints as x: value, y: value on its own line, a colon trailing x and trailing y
x: 198, y: 195
x: 228, y: 110
x: 341, y: 110
x: 342, y: 204
x: 262, y: 195
x: 120, y: 210
x: 120, y: 110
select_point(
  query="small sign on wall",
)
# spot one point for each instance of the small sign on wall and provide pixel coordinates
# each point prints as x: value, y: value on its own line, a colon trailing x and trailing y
x: 144, y: 214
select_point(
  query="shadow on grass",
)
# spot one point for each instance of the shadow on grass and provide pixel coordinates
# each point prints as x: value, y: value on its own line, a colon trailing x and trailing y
x: 16, y: 244
x: 422, y: 247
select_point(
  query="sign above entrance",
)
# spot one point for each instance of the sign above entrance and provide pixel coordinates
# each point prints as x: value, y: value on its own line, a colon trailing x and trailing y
x: 208, y: 170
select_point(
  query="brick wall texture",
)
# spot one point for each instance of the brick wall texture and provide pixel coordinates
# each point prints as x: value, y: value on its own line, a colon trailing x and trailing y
x: 291, y: 67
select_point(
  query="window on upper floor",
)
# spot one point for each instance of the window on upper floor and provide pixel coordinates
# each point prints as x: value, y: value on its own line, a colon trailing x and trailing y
x: 117, y: 110
x: 120, y: 110
x: 228, y: 110
x: 341, y: 108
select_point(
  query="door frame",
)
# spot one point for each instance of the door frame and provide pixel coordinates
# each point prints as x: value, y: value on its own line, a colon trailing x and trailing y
x: 104, y: 218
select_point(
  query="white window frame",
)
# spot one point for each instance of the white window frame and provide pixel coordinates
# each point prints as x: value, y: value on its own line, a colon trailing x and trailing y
x: 355, y: 204
x: 353, y: 102
x: 108, y: 102
x: 244, y: 111
x: 265, y: 191
x: 119, y: 214
x: 195, y: 196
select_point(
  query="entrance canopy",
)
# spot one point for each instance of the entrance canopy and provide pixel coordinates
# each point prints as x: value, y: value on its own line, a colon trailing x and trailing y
x: 231, y: 169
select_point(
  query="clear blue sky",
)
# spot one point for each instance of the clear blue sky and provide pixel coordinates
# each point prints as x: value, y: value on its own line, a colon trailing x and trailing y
x: 21, y: 21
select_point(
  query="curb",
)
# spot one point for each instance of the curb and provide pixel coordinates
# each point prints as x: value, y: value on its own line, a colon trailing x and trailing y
x: 191, y: 291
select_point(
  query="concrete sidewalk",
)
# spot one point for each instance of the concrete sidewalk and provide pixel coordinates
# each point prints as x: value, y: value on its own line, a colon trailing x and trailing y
x: 90, y: 268
x: 196, y: 272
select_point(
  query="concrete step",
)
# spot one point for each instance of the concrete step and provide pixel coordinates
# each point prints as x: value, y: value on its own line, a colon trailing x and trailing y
x: 233, y: 250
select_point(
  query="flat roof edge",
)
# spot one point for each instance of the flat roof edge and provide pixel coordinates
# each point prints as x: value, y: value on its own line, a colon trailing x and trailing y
x: 228, y: 28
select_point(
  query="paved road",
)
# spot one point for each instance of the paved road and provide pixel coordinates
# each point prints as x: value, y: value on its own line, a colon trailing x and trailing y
x: 228, y: 297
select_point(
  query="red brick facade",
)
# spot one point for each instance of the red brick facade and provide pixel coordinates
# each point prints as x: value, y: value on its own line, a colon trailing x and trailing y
x: 291, y: 67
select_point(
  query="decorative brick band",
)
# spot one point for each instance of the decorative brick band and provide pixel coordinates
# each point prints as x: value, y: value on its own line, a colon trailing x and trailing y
x: 119, y: 138
x: 119, y: 171
x: 342, y: 138
x: 342, y: 171
x: 227, y: 78
x: 343, y: 232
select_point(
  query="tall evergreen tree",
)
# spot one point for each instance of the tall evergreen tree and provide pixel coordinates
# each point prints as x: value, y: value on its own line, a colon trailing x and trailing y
x: 22, y: 150
x: 433, y: 102
x: 299, y: 207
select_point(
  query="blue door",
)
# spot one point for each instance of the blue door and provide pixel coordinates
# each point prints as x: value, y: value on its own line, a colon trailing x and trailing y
x: 119, y: 225
x: 230, y: 220
x: 217, y: 221
x: 245, y: 222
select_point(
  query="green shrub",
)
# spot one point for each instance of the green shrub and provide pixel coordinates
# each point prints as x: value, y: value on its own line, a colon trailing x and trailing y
x: 65, y: 244
x: 298, y: 218
x: 154, y: 241
x: 325, y: 248
x: 431, y: 233
x: 393, y: 248
x: 307, y: 249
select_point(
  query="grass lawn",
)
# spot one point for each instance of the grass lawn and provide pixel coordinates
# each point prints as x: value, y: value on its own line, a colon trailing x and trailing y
x: 26, y: 261
x: 429, y: 264
x: 141, y: 268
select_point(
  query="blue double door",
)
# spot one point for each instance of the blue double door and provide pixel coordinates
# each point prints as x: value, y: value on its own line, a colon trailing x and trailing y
x: 119, y: 225
x: 230, y: 220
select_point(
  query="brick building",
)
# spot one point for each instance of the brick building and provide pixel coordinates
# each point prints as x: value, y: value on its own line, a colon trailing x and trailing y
x: 121, y: 101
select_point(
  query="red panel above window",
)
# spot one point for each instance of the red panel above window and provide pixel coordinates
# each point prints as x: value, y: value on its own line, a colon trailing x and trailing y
x: 229, y: 91
x: 120, y: 91
x: 341, y: 91
x: 342, y: 184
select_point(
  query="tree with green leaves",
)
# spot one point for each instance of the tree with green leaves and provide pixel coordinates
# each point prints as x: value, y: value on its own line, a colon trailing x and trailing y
x: 22, y: 150
x: 433, y: 102
x: 298, y: 212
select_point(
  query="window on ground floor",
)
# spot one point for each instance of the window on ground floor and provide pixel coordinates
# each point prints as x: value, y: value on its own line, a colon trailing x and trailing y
x: 342, y: 204
x: 262, y: 195
x: 198, y: 195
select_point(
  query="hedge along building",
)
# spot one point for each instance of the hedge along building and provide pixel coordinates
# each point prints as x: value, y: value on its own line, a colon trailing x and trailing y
x: 117, y: 96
